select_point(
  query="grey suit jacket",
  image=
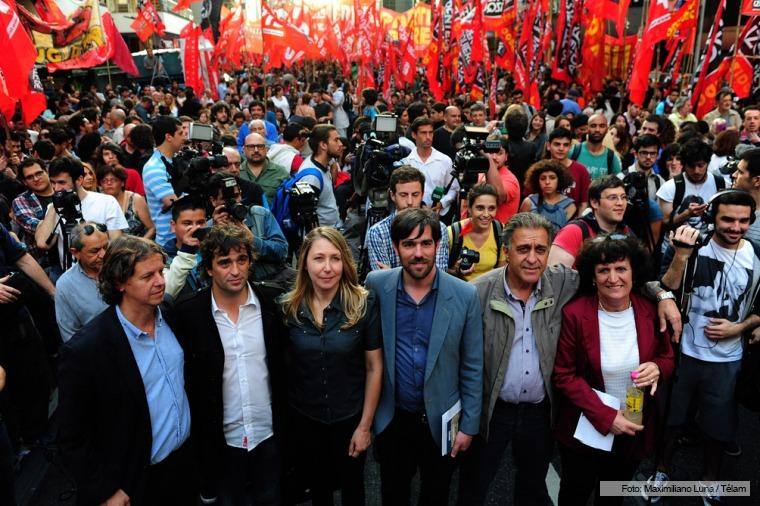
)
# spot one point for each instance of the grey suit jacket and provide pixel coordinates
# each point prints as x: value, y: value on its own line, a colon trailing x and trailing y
x: 454, y: 369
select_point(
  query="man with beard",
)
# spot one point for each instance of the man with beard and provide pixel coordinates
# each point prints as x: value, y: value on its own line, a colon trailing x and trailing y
x: 684, y: 198
x: 608, y: 201
x: 598, y: 159
x: 259, y: 169
x: 725, y: 282
x: 452, y: 118
x: 433, y: 356
x: 325, y: 144
x: 257, y: 110
x: 647, y: 149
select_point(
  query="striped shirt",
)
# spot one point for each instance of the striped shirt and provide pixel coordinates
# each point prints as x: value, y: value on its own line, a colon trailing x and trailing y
x: 158, y: 186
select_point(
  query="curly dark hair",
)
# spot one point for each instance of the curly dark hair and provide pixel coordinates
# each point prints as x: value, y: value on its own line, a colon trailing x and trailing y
x: 564, y: 179
x: 608, y: 248
x: 220, y: 240
x: 122, y: 256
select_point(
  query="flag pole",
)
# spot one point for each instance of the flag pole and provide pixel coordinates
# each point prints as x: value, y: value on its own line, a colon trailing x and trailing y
x: 698, y: 41
x: 736, y: 45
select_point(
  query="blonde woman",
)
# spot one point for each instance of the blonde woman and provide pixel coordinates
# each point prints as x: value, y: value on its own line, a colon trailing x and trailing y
x: 334, y: 368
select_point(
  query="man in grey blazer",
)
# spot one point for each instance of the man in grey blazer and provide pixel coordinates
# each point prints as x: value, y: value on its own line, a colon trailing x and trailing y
x: 433, y: 353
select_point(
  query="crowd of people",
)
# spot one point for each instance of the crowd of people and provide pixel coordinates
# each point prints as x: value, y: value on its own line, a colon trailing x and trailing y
x: 205, y: 343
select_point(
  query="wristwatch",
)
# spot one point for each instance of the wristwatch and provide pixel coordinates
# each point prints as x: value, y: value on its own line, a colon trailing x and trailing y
x: 665, y: 295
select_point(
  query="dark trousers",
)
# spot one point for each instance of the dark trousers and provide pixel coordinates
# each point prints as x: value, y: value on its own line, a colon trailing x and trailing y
x: 323, y: 462
x: 528, y: 428
x: 171, y: 481
x: 7, y: 494
x: 252, y: 477
x: 405, y: 445
x: 583, y: 470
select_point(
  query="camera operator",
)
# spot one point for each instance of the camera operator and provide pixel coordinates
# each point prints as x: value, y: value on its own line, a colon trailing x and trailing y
x: 169, y: 137
x: 76, y: 203
x: 405, y: 191
x: 269, y: 244
x: 252, y: 192
x: 257, y: 167
x: 647, y: 149
x: 684, y: 198
x: 435, y: 166
x: 475, y: 242
x: 608, y: 200
x: 325, y: 145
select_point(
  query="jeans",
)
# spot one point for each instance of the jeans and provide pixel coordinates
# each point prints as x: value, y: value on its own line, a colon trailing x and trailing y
x: 582, y: 470
x: 528, y: 428
x: 7, y: 494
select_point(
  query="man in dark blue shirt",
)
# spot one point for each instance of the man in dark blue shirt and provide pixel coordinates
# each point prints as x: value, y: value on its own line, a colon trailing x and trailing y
x: 433, y: 361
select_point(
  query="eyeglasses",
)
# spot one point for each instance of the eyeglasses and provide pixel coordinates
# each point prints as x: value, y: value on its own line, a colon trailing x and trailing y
x: 35, y: 176
x: 648, y: 154
x: 255, y: 146
x: 614, y: 236
x: 90, y: 229
x: 110, y: 180
x: 616, y: 198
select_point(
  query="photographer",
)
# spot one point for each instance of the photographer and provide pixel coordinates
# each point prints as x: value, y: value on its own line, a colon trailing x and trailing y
x: 435, y: 166
x: 269, y: 244
x: 29, y: 207
x: 73, y: 203
x: 169, y: 137
x: 684, y: 198
x: 646, y: 148
x: 325, y: 145
x: 475, y: 243
x: 406, y: 187
x: 252, y: 192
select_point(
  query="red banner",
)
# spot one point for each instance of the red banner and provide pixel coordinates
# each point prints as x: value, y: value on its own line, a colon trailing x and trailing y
x: 751, y: 8
x: 592, y: 56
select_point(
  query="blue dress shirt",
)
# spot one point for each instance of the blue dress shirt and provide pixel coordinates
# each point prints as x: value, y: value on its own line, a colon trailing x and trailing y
x: 414, y: 323
x: 161, y: 363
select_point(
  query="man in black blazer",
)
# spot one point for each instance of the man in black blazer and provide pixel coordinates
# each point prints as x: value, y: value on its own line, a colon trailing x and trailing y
x: 231, y: 332
x: 125, y: 417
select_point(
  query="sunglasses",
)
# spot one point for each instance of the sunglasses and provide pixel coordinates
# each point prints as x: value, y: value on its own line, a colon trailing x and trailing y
x: 609, y: 237
x: 90, y: 229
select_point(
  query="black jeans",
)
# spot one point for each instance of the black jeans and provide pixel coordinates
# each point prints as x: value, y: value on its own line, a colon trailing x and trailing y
x: 528, y: 428
x: 7, y: 494
x: 252, y: 477
x: 583, y: 470
x: 405, y: 445
x: 172, y: 481
x: 323, y: 461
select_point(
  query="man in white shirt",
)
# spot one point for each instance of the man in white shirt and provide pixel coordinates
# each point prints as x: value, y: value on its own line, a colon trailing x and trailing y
x: 434, y: 165
x: 230, y: 329
x: 66, y: 175
x: 340, y: 116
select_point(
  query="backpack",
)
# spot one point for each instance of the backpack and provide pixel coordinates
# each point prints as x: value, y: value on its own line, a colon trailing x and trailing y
x: 281, y: 202
x: 458, y: 241
x: 348, y: 103
x: 555, y: 213
x: 588, y: 224
x: 576, y: 153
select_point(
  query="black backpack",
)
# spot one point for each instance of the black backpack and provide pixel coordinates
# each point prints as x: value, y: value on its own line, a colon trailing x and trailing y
x: 576, y: 153
x: 720, y: 184
x: 458, y: 240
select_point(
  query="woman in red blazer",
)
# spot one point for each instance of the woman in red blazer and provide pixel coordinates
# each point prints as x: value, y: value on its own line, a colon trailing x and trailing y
x: 607, y: 333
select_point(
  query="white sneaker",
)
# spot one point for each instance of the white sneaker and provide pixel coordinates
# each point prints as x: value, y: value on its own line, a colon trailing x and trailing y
x: 658, y: 480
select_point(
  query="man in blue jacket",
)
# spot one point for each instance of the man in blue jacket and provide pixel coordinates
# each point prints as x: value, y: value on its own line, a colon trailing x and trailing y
x: 433, y: 354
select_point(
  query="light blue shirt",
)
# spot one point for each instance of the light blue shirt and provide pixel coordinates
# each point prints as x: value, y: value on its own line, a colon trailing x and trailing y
x: 523, y: 381
x: 161, y: 362
x: 158, y: 186
x: 77, y: 301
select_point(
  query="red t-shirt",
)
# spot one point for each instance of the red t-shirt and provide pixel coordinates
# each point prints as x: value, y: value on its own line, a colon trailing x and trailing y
x: 512, y: 188
x: 134, y: 182
x: 570, y: 238
x: 579, y: 190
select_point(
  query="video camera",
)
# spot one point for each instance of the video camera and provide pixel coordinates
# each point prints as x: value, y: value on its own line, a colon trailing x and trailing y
x: 68, y: 206
x: 231, y: 205
x: 191, y: 167
x: 303, y: 205
x: 636, y: 189
x: 378, y: 155
x: 470, y: 159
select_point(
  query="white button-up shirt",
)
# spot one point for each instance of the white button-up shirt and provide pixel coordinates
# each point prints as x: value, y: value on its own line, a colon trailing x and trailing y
x: 246, y: 392
x: 437, y: 171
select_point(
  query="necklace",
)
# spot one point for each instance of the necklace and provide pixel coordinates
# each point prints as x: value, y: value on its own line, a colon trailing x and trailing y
x: 601, y: 306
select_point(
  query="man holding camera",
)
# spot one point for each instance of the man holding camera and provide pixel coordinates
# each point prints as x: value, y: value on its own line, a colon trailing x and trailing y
x: 684, y: 198
x: 72, y: 203
x: 325, y: 145
x: 169, y: 137
x: 29, y: 207
x: 441, y: 189
x: 265, y: 235
x: 406, y: 187
x: 259, y: 169
x: 720, y: 293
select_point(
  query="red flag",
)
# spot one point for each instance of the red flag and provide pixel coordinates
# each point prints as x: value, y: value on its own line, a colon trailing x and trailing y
x: 408, y: 56
x: 432, y: 57
x: 147, y: 22
x: 709, y: 67
x: 658, y: 23
x: 565, y: 61
x: 592, y: 55
x: 18, y: 80
x: 183, y: 4
x: 751, y: 8
x: 119, y: 53
x: 191, y: 61
x: 745, y: 68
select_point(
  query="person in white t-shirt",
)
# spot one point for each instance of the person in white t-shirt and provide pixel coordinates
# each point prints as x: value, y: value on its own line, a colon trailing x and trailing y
x: 280, y: 101
x: 684, y: 198
x: 66, y: 175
